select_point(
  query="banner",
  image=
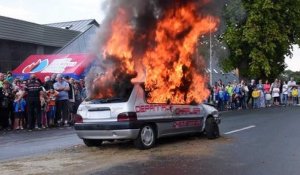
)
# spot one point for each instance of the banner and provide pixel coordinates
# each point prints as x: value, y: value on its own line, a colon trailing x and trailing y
x: 73, y: 65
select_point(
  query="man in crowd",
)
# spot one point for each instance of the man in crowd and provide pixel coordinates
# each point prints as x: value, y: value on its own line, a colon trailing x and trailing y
x: 33, y: 89
x: 251, y: 87
x: 62, y: 101
x: 71, y: 94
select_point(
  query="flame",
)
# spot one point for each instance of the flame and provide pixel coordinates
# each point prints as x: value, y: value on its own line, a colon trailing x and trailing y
x: 168, y: 66
x: 171, y: 73
x: 119, y: 43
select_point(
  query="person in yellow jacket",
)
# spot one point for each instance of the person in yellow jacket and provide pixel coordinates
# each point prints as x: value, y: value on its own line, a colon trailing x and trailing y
x: 256, y: 96
x: 295, y: 94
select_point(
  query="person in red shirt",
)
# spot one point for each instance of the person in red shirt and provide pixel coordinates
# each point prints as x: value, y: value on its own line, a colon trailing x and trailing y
x: 267, y: 92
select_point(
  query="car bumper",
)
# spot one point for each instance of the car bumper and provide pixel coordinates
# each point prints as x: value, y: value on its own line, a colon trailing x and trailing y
x: 108, y: 134
x: 107, y: 131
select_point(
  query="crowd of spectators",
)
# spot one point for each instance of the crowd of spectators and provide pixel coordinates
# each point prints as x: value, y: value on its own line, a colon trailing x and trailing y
x: 243, y: 95
x: 34, y: 104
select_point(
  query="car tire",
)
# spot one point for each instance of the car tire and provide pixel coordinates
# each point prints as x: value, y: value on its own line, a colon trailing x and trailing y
x: 211, y: 129
x: 146, y: 138
x: 92, y: 142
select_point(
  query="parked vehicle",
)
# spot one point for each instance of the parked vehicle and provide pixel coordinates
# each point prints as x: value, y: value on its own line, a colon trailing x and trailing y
x: 131, y: 117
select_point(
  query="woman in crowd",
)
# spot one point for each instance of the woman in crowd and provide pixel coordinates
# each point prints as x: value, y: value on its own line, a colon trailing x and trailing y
x: 261, y: 99
x: 267, y: 92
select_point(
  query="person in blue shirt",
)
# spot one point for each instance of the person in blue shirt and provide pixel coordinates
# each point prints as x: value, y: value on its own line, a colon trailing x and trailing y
x: 62, y: 101
x: 19, y: 106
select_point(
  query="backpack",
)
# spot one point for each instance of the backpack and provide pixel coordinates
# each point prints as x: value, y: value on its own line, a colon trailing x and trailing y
x: 295, y: 92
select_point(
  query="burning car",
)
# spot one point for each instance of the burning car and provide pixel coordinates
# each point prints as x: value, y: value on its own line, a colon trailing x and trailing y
x: 131, y: 117
x: 149, y: 81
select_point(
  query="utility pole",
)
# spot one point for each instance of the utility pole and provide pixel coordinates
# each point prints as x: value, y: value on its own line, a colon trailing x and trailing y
x: 210, y: 57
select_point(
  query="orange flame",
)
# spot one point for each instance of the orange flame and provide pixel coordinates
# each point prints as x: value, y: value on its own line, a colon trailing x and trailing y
x: 170, y: 69
x: 172, y: 73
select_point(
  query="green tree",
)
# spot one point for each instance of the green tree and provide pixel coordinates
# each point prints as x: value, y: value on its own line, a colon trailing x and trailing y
x: 260, y: 33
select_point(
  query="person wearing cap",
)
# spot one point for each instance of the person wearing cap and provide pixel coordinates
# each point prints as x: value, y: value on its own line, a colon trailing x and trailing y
x: 62, y: 101
x: 33, y: 89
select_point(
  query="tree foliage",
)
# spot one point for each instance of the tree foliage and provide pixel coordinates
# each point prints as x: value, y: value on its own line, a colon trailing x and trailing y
x: 260, y: 33
x: 287, y: 74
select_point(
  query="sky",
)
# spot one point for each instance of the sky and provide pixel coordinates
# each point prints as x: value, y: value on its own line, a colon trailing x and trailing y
x: 52, y: 11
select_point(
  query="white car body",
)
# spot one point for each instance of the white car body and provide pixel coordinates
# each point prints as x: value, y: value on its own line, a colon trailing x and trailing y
x: 106, y: 120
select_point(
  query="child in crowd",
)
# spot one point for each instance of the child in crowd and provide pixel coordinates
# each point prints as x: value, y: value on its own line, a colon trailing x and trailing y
x: 256, y: 97
x: 295, y: 94
x: 51, y: 94
x: 276, y: 95
x: 44, y: 108
x: 19, y: 109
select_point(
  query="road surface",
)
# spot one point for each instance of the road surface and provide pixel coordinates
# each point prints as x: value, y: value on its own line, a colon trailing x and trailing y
x: 262, y: 141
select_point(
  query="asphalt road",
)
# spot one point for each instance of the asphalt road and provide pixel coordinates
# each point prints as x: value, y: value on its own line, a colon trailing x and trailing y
x: 17, y: 144
x: 262, y: 142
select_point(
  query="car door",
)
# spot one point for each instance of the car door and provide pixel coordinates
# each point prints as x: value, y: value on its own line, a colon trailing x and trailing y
x: 187, y: 118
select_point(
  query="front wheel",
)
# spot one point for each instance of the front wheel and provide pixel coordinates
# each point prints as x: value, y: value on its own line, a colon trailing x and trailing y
x: 146, y: 138
x: 211, y: 129
x: 92, y: 142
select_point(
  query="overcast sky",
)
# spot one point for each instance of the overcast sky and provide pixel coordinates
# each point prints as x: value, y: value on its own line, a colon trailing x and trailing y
x: 51, y: 11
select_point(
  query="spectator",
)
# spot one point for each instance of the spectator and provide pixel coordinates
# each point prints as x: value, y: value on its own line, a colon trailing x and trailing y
x: 19, y: 107
x: 1, y: 79
x: 229, y: 89
x: 261, y: 99
x: 284, y: 93
x: 256, y: 97
x: 83, y: 89
x: 295, y: 94
x: 62, y: 102
x: 251, y: 88
x: 78, y: 99
x: 244, y: 94
x: 71, y: 94
x: 48, y: 83
x: 237, y: 95
x: 221, y: 99
x: 9, y: 77
x: 44, y: 108
x: 52, y: 94
x: 33, y: 89
x: 275, y: 92
x: 291, y: 84
x: 267, y: 92
x: 6, y: 97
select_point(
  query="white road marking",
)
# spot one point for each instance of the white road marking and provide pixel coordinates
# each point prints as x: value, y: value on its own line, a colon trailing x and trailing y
x: 238, y: 130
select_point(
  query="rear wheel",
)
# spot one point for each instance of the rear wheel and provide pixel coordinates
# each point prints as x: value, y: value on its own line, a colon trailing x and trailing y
x: 92, y: 142
x: 146, y: 138
x: 211, y: 129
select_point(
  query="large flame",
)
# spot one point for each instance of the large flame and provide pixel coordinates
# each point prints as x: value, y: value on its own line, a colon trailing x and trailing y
x: 171, y: 72
x: 169, y: 61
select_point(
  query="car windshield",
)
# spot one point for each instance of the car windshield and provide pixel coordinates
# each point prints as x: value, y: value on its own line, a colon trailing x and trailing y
x: 121, y: 94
